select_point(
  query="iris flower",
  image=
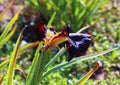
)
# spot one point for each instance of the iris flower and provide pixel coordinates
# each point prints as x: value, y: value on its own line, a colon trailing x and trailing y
x: 76, y: 43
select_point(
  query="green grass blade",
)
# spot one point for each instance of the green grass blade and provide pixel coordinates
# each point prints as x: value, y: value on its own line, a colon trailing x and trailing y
x: 51, y: 20
x: 94, y: 9
x: 40, y: 67
x: 11, y: 68
x: 6, y: 30
x: 82, y: 2
x: 6, y: 9
x: 33, y: 66
x: 4, y: 40
x: 4, y: 63
x: 33, y: 3
x: 55, y: 57
x: 76, y: 60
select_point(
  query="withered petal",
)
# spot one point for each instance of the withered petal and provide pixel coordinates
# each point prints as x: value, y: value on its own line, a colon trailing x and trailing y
x: 41, y: 31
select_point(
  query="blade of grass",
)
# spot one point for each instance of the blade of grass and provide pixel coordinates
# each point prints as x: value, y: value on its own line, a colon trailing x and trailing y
x: 37, y: 71
x: 4, y: 63
x: 6, y: 9
x: 1, y: 81
x: 94, y: 9
x: 82, y: 2
x: 33, y: 66
x: 40, y: 67
x: 76, y: 60
x: 51, y: 20
x: 83, y: 80
x: 86, y: 28
x: 55, y: 57
x: 11, y: 68
x: 5, y: 32
x: 4, y: 40
x: 28, y: 46
x: 33, y: 3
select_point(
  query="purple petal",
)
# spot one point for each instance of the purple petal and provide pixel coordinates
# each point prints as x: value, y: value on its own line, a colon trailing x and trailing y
x: 77, y: 44
x: 78, y: 36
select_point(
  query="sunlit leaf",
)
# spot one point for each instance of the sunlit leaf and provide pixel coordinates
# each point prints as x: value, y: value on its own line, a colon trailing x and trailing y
x: 4, y: 40
x: 12, y: 64
x: 32, y: 71
x: 9, y: 25
x: 82, y: 2
x: 5, y: 62
x: 51, y: 20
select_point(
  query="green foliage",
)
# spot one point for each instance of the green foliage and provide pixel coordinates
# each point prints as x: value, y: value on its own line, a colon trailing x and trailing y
x: 77, y: 13
x: 51, y: 20
x: 34, y: 69
x: 5, y: 36
x: 55, y: 70
x: 3, y: 41
x: 74, y: 61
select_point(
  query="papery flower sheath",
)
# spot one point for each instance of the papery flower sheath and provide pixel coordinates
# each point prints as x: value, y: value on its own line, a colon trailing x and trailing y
x: 57, y: 39
x: 77, y: 44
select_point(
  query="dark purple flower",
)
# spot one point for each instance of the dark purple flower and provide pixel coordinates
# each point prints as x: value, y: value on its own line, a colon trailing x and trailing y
x: 77, y: 44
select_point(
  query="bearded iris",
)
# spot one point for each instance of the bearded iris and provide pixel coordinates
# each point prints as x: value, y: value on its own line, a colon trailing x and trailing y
x: 76, y: 43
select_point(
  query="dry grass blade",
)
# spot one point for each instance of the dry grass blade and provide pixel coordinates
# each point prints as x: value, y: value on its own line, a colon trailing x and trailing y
x: 7, y: 8
x: 1, y: 81
x: 86, y: 28
x: 88, y: 75
x: 28, y: 46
